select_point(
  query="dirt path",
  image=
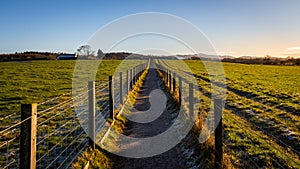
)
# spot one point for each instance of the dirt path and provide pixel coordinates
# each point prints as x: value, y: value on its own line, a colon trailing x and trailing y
x: 170, y: 159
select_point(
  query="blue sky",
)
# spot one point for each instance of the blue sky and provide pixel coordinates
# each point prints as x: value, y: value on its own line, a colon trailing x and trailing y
x: 235, y: 27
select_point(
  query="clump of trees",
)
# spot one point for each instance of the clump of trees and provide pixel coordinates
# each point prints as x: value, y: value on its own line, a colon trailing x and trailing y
x: 86, y: 52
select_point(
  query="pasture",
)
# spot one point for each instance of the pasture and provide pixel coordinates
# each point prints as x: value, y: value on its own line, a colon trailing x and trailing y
x: 261, y: 116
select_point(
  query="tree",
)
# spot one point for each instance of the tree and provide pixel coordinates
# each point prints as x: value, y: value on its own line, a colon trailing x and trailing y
x: 100, y: 54
x: 289, y: 58
x: 268, y: 57
x: 85, y: 51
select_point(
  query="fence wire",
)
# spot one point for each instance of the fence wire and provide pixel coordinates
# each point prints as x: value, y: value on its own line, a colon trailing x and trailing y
x: 62, y: 125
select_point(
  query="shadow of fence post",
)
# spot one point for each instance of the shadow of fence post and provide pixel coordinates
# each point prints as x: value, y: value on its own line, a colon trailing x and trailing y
x: 218, y: 132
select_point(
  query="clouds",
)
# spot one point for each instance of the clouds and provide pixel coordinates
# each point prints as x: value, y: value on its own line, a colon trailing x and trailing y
x: 292, y: 51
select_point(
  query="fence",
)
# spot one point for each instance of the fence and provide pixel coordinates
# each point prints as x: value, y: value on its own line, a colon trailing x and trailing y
x: 186, y: 92
x: 173, y: 74
x: 54, y: 133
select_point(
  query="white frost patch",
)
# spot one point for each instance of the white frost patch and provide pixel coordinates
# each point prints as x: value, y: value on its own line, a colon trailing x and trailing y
x: 189, y: 158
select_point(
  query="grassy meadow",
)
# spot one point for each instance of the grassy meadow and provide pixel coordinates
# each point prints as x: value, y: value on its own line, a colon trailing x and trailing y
x: 261, y: 118
x: 38, y: 81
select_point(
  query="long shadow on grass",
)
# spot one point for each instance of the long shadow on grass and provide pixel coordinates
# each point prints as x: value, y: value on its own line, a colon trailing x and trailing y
x: 252, y: 96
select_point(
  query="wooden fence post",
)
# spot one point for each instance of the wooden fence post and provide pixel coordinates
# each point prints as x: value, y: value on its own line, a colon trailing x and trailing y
x: 180, y: 88
x: 127, y: 81
x: 218, y: 133
x: 92, y: 111
x: 111, y: 100
x: 170, y: 81
x: 191, y: 99
x: 28, y: 136
x: 121, y: 88
x: 131, y: 79
x: 167, y: 77
x: 134, y: 76
x: 174, y: 82
x: 140, y: 70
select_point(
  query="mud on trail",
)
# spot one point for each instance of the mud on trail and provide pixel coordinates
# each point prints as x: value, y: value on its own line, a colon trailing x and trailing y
x: 169, y: 159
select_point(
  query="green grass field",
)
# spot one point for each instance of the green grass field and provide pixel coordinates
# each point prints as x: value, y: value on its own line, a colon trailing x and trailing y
x: 261, y: 116
x: 38, y: 81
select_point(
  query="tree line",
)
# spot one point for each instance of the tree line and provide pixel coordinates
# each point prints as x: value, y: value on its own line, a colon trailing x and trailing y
x: 28, y: 55
x: 86, y: 52
x: 267, y: 60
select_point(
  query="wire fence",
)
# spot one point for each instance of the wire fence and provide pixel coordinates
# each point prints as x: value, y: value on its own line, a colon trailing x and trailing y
x: 173, y: 72
x: 62, y: 123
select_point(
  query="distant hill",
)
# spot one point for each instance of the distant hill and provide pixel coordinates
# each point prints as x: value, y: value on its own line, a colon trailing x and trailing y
x: 202, y: 56
x: 264, y: 60
x: 124, y: 55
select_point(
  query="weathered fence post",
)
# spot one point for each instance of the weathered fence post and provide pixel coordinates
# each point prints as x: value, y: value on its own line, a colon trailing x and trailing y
x: 167, y: 77
x: 180, y: 88
x: 134, y: 76
x: 218, y: 132
x: 174, y: 82
x: 111, y: 94
x: 131, y: 79
x: 191, y: 99
x: 127, y: 81
x: 92, y: 112
x: 121, y: 88
x: 140, y: 70
x: 170, y: 81
x: 28, y: 136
